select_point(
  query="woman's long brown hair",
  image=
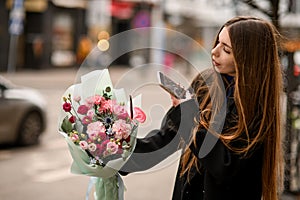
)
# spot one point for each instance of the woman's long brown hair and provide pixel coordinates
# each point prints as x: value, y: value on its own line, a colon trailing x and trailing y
x: 258, y: 86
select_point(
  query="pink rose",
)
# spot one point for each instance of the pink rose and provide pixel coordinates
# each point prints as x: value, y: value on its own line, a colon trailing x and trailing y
x: 86, y: 120
x: 99, y: 150
x: 83, y: 145
x: 93, y: 135
x: 102, y: 135
x: 82, y: 109
x: 139, y: 115
x: 74, y: 137
x: 102, y: 147
x: 77, y: 98
x: 112, y: 147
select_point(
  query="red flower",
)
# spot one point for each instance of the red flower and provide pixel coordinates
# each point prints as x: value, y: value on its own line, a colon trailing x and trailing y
x: 72, y: 119
x: 67, y: 107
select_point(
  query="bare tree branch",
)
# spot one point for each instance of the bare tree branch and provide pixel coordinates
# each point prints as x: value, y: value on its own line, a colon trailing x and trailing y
x: 272, y: 13
x: 253, y: 4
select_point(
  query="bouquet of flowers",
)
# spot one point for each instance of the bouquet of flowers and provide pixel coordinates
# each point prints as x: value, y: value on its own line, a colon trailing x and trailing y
x: 100, y: 127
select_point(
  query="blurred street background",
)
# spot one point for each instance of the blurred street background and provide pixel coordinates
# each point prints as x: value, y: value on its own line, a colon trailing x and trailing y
x: 44, y: 44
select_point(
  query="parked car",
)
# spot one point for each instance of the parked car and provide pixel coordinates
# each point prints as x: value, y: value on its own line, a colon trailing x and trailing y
x: 22, y: 114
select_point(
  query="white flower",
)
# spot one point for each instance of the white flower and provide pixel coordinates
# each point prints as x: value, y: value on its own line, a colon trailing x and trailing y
x: 92, y: 147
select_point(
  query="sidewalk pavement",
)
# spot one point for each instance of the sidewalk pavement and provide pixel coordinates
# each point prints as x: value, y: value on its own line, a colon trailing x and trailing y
x: 290, y: 197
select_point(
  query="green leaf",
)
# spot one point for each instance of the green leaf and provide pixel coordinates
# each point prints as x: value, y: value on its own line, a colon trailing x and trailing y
x: 66, y: 125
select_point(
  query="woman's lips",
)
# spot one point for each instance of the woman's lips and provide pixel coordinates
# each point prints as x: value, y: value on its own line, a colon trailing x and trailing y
x: 215, y: 63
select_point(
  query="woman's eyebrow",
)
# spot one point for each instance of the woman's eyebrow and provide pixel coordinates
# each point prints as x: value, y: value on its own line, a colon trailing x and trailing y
x: 226, y: 45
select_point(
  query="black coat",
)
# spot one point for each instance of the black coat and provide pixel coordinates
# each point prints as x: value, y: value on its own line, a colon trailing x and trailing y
x: 223, y: 174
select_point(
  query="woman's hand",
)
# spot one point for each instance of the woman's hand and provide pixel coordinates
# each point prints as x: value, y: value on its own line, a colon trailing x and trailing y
x: 176, y: 102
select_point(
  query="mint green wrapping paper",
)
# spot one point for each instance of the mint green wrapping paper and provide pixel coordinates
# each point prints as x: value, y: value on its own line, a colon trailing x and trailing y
x: 107, y: 188
x: 81, y: 162
x: 107, y: 182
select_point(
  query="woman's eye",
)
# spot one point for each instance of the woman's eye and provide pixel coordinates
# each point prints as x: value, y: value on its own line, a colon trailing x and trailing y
x: 226, y: 50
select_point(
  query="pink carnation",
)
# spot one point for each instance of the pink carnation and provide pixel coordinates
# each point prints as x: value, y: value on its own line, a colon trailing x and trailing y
x: 121, y: 129
x: 105, y: 105
x: 96, y: 99
x: 120, y: 111
x: 95, y: 128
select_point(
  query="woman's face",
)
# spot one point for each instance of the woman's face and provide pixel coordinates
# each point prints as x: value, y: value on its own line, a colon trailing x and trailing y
x: 222, y: 55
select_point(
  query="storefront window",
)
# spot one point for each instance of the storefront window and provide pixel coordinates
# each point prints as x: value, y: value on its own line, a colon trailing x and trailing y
x: 62, y: 40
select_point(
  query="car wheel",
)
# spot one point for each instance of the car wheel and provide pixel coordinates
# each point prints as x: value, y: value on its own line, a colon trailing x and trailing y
x: 30, y: 129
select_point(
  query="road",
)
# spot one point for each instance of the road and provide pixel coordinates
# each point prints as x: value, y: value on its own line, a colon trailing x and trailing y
x: 43, y: 172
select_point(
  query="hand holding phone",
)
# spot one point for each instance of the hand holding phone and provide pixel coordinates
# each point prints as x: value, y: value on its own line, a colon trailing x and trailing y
x: 171, y: 87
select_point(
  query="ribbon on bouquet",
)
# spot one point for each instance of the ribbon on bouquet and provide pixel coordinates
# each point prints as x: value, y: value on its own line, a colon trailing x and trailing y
x: 105, y: 188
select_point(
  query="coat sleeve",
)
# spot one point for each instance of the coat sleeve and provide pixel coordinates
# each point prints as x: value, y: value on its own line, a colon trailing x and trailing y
x: 161, y: 143
x: 155, y: 147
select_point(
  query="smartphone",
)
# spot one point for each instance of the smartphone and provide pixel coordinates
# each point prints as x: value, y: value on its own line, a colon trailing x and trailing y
x: 171, y: 86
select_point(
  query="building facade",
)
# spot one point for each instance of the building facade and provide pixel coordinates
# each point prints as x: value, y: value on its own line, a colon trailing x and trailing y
x: 50, y: 36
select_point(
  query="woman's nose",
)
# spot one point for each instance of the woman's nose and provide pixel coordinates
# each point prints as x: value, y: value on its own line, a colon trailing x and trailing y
x: 214, y: 51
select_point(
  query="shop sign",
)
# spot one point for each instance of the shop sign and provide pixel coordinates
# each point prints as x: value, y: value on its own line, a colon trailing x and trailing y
x: 122, y: 10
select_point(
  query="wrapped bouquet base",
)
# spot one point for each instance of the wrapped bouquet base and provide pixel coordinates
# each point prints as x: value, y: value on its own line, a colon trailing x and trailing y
x: 105, y: 179
x: 100, y: 128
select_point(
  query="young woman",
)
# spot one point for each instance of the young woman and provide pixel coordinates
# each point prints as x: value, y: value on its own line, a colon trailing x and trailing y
x: 233, y: 132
